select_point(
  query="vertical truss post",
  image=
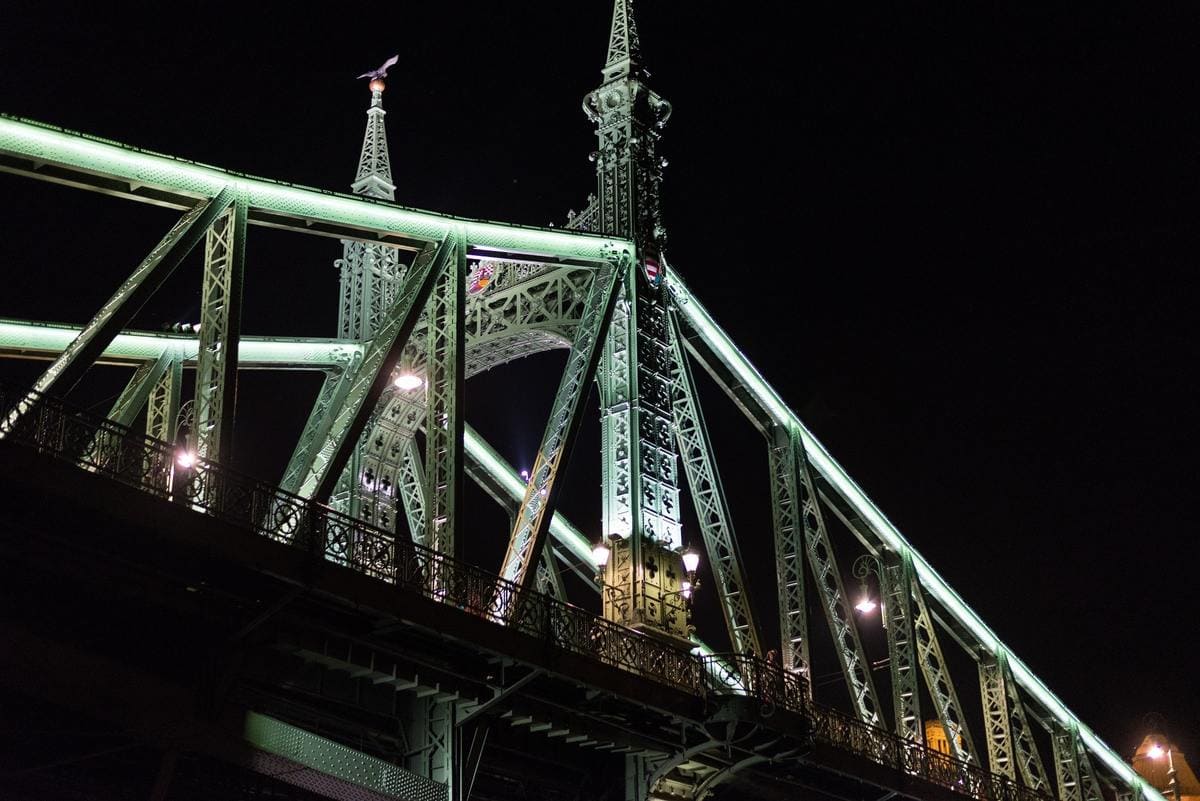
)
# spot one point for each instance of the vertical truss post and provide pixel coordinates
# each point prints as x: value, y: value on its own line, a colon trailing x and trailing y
x: 118, y: 310
x: 444, y: 382
x: 549, y: 580
x: 162, y: 410
x: 709, y: 498
x: 789, y: 549
x: 833, y: 595
x: 1066, y: 761
x: 330, y: 398
x: 131, y: 400
x: 941, y: 686
x: 997, y: 730
x: 1087, y: 774
x: 533, y: 518
x: 323, y: 466
x: 220, y: 332
x: 897, y: 579
x: 431, y: 740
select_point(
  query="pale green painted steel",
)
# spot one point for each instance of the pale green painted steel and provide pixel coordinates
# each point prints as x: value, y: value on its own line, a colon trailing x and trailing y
x: 162, y: 407
x: 445, y: 383
x: 704, y: 481
x: 39, y: 340
x: 410, y: 483
x: 128, y: 171
x: 533, y: 520
x: 131, y: 400
x: 996, y: 719
x: 220, y: 329
x: 1066, y: 762
x: 939, y: 682
x: 153, y: 270
x: 786, y: 508
x: 316, y: 429
x: 334, y: 759
x: 1025, y: 749
x: 772, y: 407
x: 896, y: 579
x: 324, y: 467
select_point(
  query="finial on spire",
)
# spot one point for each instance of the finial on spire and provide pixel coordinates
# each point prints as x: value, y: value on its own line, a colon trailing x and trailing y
x: 624, y: 49
x: 381, y: 72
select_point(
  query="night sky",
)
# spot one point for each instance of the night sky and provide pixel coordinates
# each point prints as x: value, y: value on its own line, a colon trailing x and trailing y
x: 960, y: 239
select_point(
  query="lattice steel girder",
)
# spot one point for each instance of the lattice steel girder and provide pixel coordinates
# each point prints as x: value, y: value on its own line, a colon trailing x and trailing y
x: 789, y: 549
x: 118, y: 310
x: 716, y: 526
x: 939, y: 682
x: 1066, y: 762
x: 162, y: 408
x: 131, y: 400
x: 997, y: 730
x: 410, y: 482
x: 29, y: 339
x: 566, y: 413
x: 763, y: 405
x: 316, y: 428
x: 896, y: 588
x: 1087, y: 774
x: 445, y: 380
x: 326, y: 464
x: 828, y: 578
x: 1025, y: 749
x: 220, y: 330
x: 54, y: 154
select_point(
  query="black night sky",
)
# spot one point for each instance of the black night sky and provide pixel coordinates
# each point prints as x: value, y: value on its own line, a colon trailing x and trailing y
x: 960, y: 239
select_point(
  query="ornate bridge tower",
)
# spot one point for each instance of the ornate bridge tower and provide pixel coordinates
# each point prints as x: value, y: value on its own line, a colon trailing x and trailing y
x: 641, y: 465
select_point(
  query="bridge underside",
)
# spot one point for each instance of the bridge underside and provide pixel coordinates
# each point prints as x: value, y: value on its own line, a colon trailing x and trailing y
x: 144, y: 639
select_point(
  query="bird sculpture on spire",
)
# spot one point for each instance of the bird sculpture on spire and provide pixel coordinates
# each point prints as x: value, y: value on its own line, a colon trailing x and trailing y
x: 382, y: 71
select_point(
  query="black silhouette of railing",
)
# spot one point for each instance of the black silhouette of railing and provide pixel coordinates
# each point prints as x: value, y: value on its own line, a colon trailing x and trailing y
x: 99, y: 445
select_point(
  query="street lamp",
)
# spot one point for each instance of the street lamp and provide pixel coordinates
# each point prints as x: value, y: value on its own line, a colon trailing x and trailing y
x: 407, y: 381
x: 864, y: 565
x: 1156, y: 751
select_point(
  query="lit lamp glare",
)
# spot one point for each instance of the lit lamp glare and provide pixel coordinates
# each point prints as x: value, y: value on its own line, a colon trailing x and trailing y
x: 866, y: 605
x: 407, y: 381
x: 600, y: 554
x: 691, y: 560
x: 685, y: 589
x: 1156, y: 751
x: 186, y: 459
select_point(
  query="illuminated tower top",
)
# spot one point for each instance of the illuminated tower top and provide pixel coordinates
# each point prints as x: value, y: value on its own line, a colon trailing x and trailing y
x: 374, y: 178
x: 624, y: 49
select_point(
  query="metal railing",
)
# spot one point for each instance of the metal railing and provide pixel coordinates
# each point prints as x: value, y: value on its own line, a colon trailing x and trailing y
x: 96, y: 444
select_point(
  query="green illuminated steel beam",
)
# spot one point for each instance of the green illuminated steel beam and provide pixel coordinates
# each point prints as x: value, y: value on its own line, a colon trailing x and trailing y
x: 566, y: 414
x: 325, y: 465
x: 119, y: 309
x: 704, y: 481
x: 131, y: 400
x: 996, y: 718
x: 786, y: 508
x: 48, y: 153
x: 764, y: 406
x: 896, y: 581
x: 316, y: 428
x: 30, y: 339
x: 162, y: 407
x: 220, y: 330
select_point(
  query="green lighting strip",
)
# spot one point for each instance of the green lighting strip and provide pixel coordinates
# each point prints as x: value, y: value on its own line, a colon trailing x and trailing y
x: 44, y: 145
x: 733, y: 359
x: 26, y: 338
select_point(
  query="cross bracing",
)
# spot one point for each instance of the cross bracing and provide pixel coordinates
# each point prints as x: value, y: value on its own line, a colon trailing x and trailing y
x: 545, y: 293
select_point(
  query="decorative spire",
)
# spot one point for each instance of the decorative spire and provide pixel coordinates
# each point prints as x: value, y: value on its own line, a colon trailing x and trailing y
x: 624, y: 50
x: 374, y: 177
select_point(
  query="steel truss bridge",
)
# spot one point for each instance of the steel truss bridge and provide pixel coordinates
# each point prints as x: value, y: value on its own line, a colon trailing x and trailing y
x: 360, y: 653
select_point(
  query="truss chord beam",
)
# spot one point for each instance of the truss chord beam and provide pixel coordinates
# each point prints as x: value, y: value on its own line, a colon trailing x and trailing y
x: 896, y: 579
x: 119, y: 309
x: 220, y: 331
x: 324, y: 466
x: 444, y: 384
x: 1066, y: 762
x: 704, y: 481
x: 940, y: 683
x: 533, y: 518
x: 331, y: 396
x: 789, y: 550
x: 828, y: 578
x: 131, y: 400
x: 411, y: 485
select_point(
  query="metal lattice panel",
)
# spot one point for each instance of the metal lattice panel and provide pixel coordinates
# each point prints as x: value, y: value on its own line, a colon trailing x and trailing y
x: 997, y: 728
x: 896, y: 579
x: 711, y: 508
x: 444, y: 386
x: 789, y: 550
x: 939, y: 682
x: 1066, y: 762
